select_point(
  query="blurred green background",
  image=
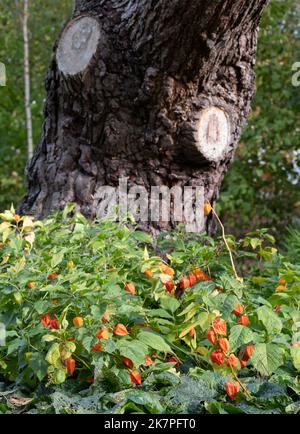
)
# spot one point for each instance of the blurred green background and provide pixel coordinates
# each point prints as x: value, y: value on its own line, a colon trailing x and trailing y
x: 261, y: 188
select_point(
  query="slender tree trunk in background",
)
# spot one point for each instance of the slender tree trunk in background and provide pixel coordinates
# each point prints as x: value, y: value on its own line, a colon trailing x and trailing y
x: 157, y: 91
x: 24, y: 21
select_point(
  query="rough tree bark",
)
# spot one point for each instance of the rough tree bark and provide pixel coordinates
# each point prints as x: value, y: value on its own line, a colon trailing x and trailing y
x: 157, y: 91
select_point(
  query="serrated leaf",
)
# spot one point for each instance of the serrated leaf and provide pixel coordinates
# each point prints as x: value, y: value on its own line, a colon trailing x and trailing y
x: 230, y: 303
x: 154, y: 341
x: 53, y: 355
x: 239, y: 335
x: 170, y: 304
x: 295, y: 353
x: 39, y: 365
x: 18, y: 266
x: 41, y: 306
x: 87, y: 342
x: 266, y: 358
x: 134, y: 350
x: 270, y: 320
x: 147, y: 399
x: 57, y: 258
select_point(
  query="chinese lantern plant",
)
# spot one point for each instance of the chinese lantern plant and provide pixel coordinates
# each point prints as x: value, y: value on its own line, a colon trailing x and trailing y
x: 94, y: 303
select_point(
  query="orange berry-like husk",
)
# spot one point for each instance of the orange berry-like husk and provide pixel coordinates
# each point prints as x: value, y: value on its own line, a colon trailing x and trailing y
x: 78, y: 321
x: 148, y: 361
x: 211, y: 336
x: 247, y: 352
x: 71, y: 364
x: 149, y: 273
x: 103, y: 333
x: 96, y: 348
x: 217, y: 357
x: 232, y: 361
x: 127, y: 362
x: 184, y: 283
x: 169, y: 286
x: 46, y: 320
x: 192, y: 279
x: 280, y: 288
x: 174, y: 359
x: 130, y: 288
x: 220, y: 326
x: 243, y: 320
x: 207, y: 208
x: 120, y: 330
x: 135, y: 377
x: 243, y: 364
x: 53, y: 276
x: 232, y: 388
x: 239, y: 309
x: 192, y: 332
x: 224, y: 344
x: 105, y: 318
x: 54, y: 324
x: 167, y: 270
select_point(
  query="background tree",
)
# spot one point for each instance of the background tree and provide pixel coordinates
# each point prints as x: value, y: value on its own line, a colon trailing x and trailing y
x: 154, y: 91
x: 245, y: 202
x: 45, y: 20
x: 24, y: 14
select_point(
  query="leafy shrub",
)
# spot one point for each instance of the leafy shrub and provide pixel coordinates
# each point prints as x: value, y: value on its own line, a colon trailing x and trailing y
x: 90, y: 311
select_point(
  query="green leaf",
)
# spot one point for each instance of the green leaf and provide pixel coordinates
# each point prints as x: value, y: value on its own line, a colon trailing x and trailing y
x: 159, y: 313
x: 134, y: 350
x: 266, y: 358
x: 190, y: 307
x: 295, y: 352
x: 239, y: 335
x: 68, y: 208
x: 58, y: 377
x: 204, y: 320
x: 48, y: 338
x: 154, y: 341
x: 230, y: 303
x: 270, y: 320
x: 143, y: 237
x: 87, y: 343
x: 18, y: 266
x: 53, y: 355
x: 39, y: 365
x: 98, y: 311
x: 15, y: 345
x: 148, y: 399
x: 170, y: 304
x: 41, y: 306
x: 57, y: 258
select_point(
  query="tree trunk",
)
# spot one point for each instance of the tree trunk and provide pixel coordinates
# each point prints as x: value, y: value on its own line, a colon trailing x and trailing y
x: 155, y: 91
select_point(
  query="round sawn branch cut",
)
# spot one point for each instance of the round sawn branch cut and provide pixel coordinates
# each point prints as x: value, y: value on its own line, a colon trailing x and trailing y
x: 77, y: 45
x: 213, y: 134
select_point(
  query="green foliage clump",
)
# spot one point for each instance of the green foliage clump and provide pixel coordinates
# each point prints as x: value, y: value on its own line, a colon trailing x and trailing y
x: 66, y: 267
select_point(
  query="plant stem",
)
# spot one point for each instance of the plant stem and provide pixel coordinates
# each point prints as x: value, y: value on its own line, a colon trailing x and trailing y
x: 246, y: 391
x: 226, y: 243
